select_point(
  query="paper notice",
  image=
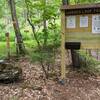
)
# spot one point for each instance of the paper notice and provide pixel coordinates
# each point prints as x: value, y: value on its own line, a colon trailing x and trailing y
x: 84, y: 21
x: 96, y: 24
x: 71, y: 22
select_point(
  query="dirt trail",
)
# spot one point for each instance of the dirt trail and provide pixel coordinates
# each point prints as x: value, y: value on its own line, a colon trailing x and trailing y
x: 77, y: 87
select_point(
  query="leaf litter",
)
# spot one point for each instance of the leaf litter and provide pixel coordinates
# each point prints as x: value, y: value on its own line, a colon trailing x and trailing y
x: 78, y: 86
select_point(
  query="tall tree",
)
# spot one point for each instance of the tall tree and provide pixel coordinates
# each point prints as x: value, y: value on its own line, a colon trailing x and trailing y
x: 20, y: 44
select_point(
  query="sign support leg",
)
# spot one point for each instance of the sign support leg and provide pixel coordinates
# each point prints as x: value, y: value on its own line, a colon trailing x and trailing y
x: 63, y: 67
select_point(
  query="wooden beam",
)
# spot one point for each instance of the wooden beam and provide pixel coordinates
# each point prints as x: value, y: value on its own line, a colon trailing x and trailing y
x: 63, y: 67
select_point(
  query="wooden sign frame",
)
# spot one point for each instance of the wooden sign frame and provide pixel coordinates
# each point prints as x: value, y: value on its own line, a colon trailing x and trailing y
x: 79, y: 23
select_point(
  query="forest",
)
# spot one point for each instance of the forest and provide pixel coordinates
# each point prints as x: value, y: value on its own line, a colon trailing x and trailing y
x: 31, y: 52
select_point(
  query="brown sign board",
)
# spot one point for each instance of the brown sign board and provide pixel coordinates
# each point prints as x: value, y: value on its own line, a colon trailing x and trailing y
x: 82, y: 24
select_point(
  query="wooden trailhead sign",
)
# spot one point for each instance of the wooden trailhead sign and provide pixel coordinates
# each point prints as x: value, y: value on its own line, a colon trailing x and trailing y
x: 80, y: 28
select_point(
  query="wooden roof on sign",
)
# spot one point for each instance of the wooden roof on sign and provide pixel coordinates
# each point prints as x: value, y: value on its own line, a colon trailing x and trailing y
x: 80, y: 6
x: 81, y: 9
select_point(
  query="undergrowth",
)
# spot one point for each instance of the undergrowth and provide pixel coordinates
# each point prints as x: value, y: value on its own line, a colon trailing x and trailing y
x: 89, y: 64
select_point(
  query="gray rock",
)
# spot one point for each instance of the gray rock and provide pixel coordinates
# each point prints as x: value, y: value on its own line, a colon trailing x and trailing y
x: 9, y: 73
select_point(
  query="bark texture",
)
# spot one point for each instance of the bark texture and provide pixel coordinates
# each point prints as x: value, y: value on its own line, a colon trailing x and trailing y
x: 21, y: 47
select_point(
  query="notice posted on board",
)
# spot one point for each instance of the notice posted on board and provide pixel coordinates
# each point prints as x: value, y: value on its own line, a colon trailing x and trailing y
x: 96, y: 24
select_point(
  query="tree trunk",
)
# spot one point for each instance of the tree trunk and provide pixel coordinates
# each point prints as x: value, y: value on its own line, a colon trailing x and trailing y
x: 45, y: 26
x: 45, y: 33
x: 19, y: 39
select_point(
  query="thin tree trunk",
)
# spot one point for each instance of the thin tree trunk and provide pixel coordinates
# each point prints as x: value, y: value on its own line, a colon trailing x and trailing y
x: 35, y: 36
x: 19, y: 39
x: 32, y: 25
x: 45, y: 26
x: 38, y: 42
x: 45, y: 33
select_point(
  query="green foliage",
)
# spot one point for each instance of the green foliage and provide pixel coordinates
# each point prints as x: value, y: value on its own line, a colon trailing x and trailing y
x: 39, y: 10
x: 43, y: 15
x: 36, y: 56
x: 3, y: 49
x: 88, y: 63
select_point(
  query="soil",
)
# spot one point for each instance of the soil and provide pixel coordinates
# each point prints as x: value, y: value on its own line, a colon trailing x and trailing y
x: 78, y: 86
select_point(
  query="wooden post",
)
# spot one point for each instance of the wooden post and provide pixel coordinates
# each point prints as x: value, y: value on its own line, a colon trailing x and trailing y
x: 17, y: 50
x: 8, y: 44
x: 75, y: 59
x: 63, y: 67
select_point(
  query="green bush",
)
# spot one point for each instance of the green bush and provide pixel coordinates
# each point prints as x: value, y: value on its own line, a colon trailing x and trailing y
x: 88, y: 63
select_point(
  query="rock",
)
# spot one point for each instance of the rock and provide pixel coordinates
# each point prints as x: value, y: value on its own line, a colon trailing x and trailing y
x: 9, y: 73
x: 61, y: 82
